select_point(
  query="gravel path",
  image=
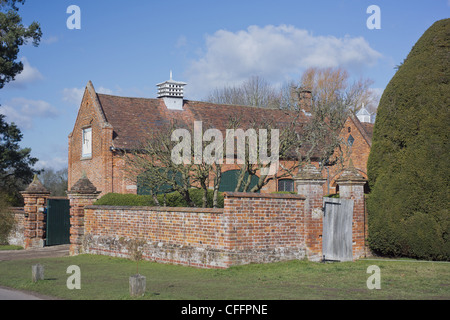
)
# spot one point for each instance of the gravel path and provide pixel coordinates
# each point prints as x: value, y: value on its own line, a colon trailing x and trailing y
x: 46, y: 252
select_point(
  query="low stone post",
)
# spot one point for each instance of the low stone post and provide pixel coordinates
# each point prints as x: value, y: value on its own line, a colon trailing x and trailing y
x: 309, y: 183
x: 82, y: 194
x: 37, y: 272
x: 137, y: 285
x: 35, y: 198
x: 351, y: 186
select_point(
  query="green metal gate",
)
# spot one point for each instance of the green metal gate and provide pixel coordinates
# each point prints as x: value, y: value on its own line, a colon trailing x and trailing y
x: 58, y: 222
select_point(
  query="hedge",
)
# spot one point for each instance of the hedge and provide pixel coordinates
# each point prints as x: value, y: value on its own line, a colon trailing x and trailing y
x: 173, y: 199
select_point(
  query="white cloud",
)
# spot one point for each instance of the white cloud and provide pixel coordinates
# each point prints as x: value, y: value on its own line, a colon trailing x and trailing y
x: 73, y: 95
x: 22, y: 111
x: 104, y: 90
x: 273, y: 52
x: 56, y: 163
x: 52, y: 155
x: 28, y: 75
x: 14, y: 115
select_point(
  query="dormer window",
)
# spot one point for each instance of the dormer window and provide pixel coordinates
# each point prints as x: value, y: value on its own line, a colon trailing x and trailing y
x: 87, y: 143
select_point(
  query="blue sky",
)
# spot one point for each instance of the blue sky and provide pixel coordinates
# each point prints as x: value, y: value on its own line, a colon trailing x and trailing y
x: 126, y: 47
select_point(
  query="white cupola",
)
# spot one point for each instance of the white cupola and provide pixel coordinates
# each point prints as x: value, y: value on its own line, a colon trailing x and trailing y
x: 172, y: 92
x: 364, y: 115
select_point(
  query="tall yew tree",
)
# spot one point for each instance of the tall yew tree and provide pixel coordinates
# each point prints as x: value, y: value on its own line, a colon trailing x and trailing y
x: 409, y: 163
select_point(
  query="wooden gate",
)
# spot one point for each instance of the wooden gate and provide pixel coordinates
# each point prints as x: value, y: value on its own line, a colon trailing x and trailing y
x: 58, y: 222
x: 337, y: 230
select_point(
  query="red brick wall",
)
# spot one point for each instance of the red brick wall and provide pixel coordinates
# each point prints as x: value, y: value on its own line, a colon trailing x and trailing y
x: 173, y: 226
x: 174, y: 235
x: 265, y: 227
x: 251, y: 228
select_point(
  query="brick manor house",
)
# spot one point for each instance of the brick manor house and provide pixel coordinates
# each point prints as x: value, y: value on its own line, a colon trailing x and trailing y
x: 107, y: 124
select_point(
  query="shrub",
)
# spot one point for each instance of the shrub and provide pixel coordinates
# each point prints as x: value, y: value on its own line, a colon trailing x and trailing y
x: 116, y: 199
x: 333, y: 195
x: 197, y: 198
x: 408, y: 165
x: 173, y: 199
x: 7, y: 223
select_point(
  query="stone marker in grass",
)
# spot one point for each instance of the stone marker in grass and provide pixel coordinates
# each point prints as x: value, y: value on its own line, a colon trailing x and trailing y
x: 37, y: 272
x: 137, y: 285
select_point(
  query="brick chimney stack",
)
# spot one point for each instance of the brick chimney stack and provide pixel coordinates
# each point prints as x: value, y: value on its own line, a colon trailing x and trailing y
x: 301, y: 98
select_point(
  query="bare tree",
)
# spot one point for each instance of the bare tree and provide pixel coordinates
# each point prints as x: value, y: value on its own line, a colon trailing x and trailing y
x: 260, y: 164
x: 152, y: 163
x: 333, y: 99
x: 54, y: 181
x: 331, y: 87
x: 255, y: 91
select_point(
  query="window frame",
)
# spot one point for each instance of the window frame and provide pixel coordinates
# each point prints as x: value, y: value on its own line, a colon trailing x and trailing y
x: 84, y: 154
x: 350, y: 140
x: 284, y: 185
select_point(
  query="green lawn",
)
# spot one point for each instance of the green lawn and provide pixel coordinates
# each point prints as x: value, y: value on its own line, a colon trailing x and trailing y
x: 10, y: 247
x: 107, y: 279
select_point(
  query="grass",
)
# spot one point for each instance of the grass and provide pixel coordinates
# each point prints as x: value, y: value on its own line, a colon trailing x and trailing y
x: 106, y: 278
x: 10, y: 247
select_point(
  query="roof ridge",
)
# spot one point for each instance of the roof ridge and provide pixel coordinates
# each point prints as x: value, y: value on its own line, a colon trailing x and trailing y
x: 199, y: 101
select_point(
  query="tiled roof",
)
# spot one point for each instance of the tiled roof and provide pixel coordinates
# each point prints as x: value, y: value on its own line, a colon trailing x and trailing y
x: 134, y: 118
x: 368, y: 128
